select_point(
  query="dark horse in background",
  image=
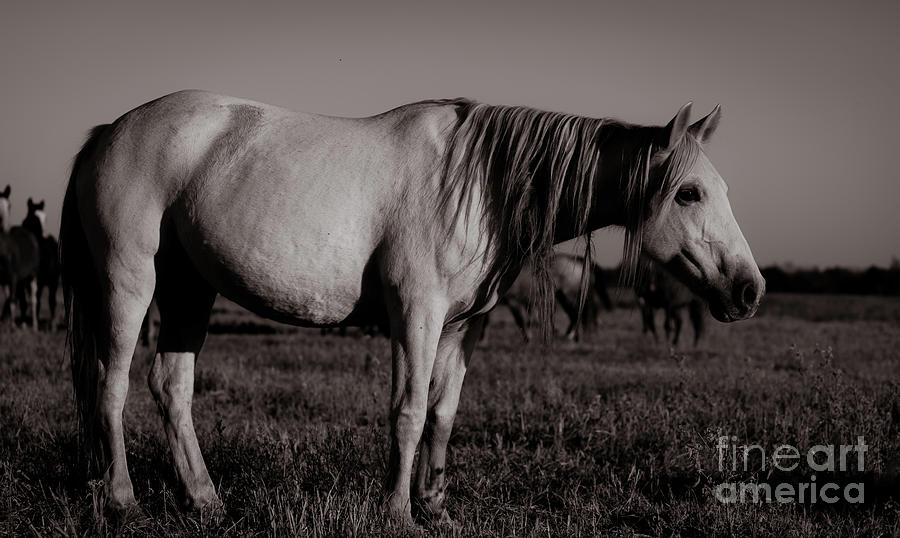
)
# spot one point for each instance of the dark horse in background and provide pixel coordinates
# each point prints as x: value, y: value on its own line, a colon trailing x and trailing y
x: 657, y: 289
x: 20, y: 259
x: 48, y: 270
x: 566, y: 271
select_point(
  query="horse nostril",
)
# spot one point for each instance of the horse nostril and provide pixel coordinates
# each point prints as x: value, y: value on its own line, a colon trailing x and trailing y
x: 748, y: 295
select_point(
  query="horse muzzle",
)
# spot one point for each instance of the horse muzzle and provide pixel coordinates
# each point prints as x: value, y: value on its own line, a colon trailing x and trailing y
x: 743, y: 300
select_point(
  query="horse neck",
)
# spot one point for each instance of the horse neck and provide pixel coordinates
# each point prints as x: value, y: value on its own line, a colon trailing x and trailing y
x: 607, y: 206
x: 547, y: 177
x: 33, y: 225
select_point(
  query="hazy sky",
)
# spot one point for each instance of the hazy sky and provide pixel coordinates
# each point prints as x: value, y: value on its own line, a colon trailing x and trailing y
x: 809, y: 90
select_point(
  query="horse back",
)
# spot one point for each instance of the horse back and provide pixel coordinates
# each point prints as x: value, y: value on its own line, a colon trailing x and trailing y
x: 281, y: 211
x: 567, y: 270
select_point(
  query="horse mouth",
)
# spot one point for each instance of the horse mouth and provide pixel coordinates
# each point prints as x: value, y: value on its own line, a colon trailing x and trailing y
x: 728, y: 313
x: 719, y: 312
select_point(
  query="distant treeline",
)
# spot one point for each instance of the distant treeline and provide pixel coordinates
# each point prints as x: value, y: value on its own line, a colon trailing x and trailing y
x: 871, y: 281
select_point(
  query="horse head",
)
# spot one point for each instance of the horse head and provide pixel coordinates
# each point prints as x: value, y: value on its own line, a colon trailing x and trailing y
x: 36, y: 220
x: 692, y: 231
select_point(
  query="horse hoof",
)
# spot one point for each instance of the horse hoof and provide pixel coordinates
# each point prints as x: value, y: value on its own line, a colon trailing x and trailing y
x: 132, y: 516
x: 442, y: 523
x: 204, y: 503
x: 444, y: 519
x: 400, y: 514
x: 123, y: 512
x: 212, y: 512
x: 113, y: 506
x: 115, y: 498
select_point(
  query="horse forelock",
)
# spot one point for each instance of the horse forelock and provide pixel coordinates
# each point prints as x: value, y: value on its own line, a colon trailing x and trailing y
x: 650, y: 182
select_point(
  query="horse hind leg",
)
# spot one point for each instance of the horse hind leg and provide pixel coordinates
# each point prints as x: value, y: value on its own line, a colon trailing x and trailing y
x: 573, y: 331
x: 26, y: 293
x: 521, y: 317
x: 676, y: 321
x: 9, y: 305
x: 51, y: 300
x: 38, y: 293
x: 147, y: 328
x: 51, y: 285
x: 695, y: 311
x: 649, y: 323
x: 35, y: 302
x: 124, y: 298
x: 184, y: 301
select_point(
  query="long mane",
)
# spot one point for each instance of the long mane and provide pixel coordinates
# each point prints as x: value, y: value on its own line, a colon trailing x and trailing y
x: 534, y: 166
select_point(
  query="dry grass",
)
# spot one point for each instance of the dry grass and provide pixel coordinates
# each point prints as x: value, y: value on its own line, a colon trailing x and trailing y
x: 615, y: 435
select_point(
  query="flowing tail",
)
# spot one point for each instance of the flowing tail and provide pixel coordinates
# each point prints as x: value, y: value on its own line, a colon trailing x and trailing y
x: 81, y: 289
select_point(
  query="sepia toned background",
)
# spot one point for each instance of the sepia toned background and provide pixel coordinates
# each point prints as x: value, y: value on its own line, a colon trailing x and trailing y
x: 808, y: 88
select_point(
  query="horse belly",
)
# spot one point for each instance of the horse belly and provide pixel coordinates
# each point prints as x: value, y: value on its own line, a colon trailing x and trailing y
x: 283, y: 214
x: 314, y: 281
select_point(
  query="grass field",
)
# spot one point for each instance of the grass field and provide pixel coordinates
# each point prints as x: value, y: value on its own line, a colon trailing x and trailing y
x: 614, y: 435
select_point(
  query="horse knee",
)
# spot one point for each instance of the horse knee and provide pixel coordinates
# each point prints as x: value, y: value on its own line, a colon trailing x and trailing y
x: 171, y: 380
x: 441, y: 422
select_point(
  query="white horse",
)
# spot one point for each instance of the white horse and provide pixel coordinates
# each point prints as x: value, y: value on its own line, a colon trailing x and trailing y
x: 421, y: 216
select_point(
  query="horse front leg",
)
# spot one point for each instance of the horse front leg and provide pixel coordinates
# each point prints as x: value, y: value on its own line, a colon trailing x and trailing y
x: 648, y: 318
x: 573, y: 331
x: 8, y: 306
x: 415, y: 331
x: 32, y: 297
x: 51, y: 300
x: 454, y: 352
x: 521, y: 316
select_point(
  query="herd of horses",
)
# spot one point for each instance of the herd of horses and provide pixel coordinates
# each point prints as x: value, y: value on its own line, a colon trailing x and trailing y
x: 29, y: 263
x: 418, y: 219
x: 655, y: 289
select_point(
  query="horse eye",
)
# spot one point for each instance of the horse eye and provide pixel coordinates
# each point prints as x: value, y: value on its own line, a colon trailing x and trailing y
x: 687, y: 195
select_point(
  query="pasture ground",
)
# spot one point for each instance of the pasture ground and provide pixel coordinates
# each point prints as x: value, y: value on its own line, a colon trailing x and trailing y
x: 615, y: 435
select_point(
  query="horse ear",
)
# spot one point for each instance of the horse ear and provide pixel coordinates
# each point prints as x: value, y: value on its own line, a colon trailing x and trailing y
x: 704, y: 129
x: 30, y: 204
x: 678, y: 126
x: 40, y: 205
x: 6, y: 192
